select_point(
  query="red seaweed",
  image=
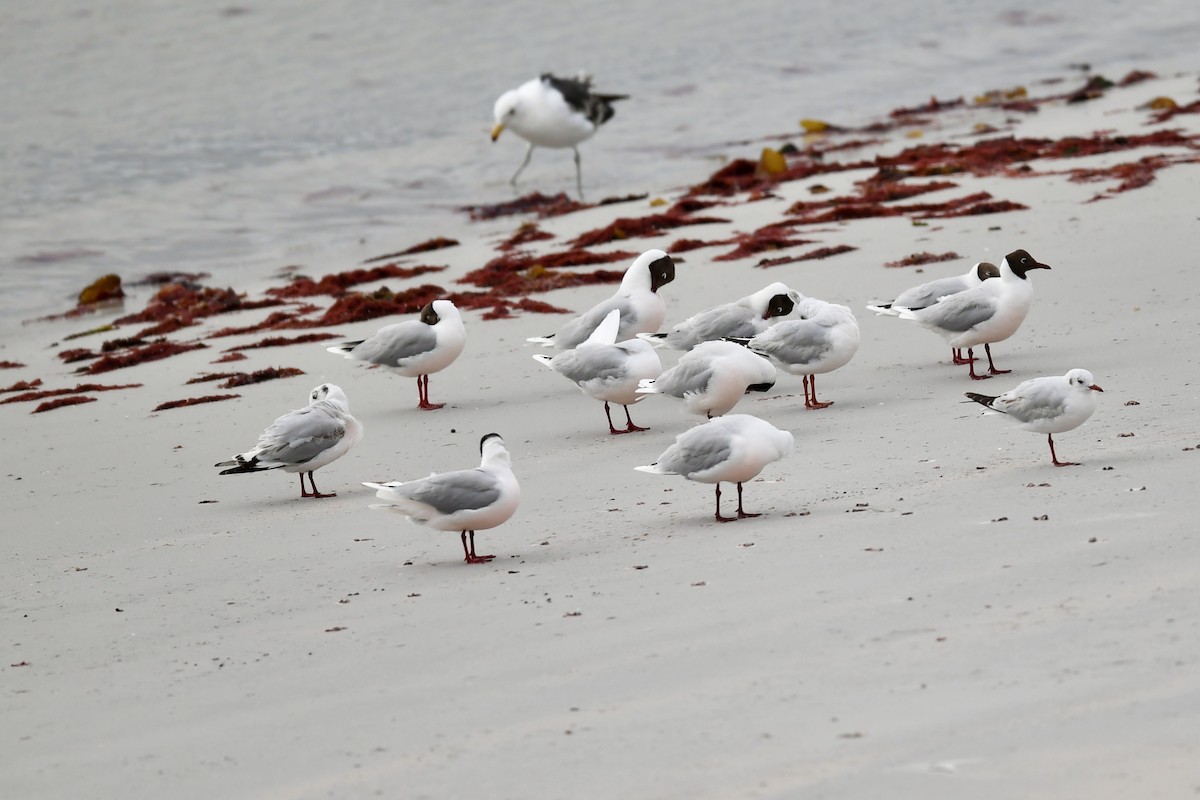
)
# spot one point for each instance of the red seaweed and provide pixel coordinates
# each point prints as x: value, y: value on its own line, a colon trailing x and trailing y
x: 535, y: 203
x: 819, y: 253
x: 336, y: 285
x: 235, y: 379
x: 436, y: 243
x: 283, y: 341
x: 73, y: 400
x: 72, y: 355
x: 22, y: 386
x: 924, y: 257
x: 225, y: 359
x: 636, y: 227
x: 193, y: 401
x: 11, y: 365
x: 528, y: 232
x: 151, y: 352
x: 769, y: 237
x: 277, y: 319
x: 42, y: 394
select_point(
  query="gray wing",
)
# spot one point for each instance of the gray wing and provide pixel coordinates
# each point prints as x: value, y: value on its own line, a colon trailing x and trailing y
x: 1038, y: 398
x: 689, y: 376
x: 794, y: 342
x: 697, y: 450
x: 394, y: 344
x: 580, y: 328
x: 730, y: 319
x: 929, y: 293
x: 448, y: 492
x: 592, y: 362
x: 299, y: 436
x: 959, y: 312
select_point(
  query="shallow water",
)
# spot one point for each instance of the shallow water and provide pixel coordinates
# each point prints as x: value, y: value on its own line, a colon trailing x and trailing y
x: 141, y: 136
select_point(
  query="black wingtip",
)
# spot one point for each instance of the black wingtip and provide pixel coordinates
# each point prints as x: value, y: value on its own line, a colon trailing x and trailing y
x: 982, y: 399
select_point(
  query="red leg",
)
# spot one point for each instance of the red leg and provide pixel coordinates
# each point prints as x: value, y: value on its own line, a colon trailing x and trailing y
x: 315, y: 493
x: 630, y: 427
x: 957, y: 358
x: 612, y: 429
x: 1054, y: 458
x: 987, y: 348
x: 423, y: 395
x: 742, y: 514
x: 719, y: 518
x: 303, y: 490
x: 810, y: 385
x: 971, y: 366
x: 470, y: 553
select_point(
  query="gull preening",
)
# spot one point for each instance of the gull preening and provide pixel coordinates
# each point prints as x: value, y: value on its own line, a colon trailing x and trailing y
x: 927, y: 294
x: 712, y: 376
x: 414, y: 348
x: 823, y: 338
x: 642, y: 308
x: 553, y: 112
x: 467, y: 500
x: 991, y: 312
x: 304, y: 440
x: 733, y: 449
x: 608, y: 370
x: 1055, y: 404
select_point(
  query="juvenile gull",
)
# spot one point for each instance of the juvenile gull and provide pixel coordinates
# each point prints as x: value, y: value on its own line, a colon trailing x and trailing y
x: 990, y: 312
x: 1051, y: 405
x: 466, y: 500
x: 733, y: 449
x: 553, y: 112
x: 822, y: 338
x: 642, y: 309
x: 415, y: 348
x: 608, y: 370
x: 746, y: 317
x: 712, y: 376
x: 304, y: 440
x: 929, y: 293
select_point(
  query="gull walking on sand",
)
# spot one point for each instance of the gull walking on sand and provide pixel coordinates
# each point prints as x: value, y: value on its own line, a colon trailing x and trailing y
x: 712, y: 376
x: 415, y: 348
x: 733, y: 449
x: 608, y: 370
x: 1050, y: 405
x: 823, y: 338
x: 553, y: 112
x: 466, y: 500
x: 988, y: 313
x: 927, y: 294
x: 642, y: 308
x: 746, y: 317
x: 304, y: 440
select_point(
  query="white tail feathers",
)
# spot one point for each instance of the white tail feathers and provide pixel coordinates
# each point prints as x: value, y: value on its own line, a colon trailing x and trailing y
x: 652, y: 468
x: 545, y: 341
x: 543, y: 359
x: 884, y: 310
x: 646, y: 386
x: 656, y: 339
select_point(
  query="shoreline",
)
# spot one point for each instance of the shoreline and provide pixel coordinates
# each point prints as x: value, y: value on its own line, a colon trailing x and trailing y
x: 901, y: 620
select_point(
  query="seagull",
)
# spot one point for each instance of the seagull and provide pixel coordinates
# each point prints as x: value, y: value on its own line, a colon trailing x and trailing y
x: 608, y: 370
x: 929, y: 293
x: 304, y: 440
x: 745, y: 317
x: 642, y: 309
x: 414, y: 348
x: 466, y: 500
x: 823, y: 338
x: 712, y: 376
x: 1051, y: 405
x: 990, y: 312
x: 733, y: 449
x: 553, y: 112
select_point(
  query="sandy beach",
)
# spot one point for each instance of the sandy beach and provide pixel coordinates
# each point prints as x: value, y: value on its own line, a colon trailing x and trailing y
x: 927, y: 607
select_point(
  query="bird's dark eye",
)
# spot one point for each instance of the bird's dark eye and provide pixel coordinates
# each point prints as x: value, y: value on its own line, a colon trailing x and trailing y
x: 1024, y: 260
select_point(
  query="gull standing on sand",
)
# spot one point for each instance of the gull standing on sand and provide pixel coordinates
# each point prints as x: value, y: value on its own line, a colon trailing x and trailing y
x: 553, y: 112
x: 642, y: 308
x: 415, y: 348
x: 747, y: 317
x: 608, y: 370
x: 1051, y: 405
x: 991, y: 312
x: 304, y: 440
x: 927, y: 294
x: 466, y: 500
x: 823, y: 338
x: 733, y: 449
x: 712, y: 376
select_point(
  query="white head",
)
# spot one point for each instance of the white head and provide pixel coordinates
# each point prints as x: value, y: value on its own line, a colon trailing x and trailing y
x: 493, y: 451
x: 506, y: 109
x: 331, y: 393
x: 1082, y: 380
